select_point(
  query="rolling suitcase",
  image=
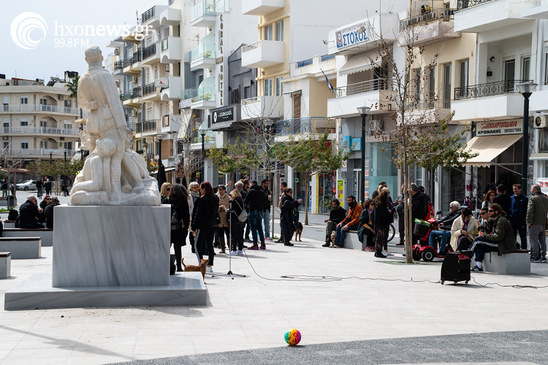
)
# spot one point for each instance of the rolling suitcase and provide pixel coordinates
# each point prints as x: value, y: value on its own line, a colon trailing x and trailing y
x: 456, y: 267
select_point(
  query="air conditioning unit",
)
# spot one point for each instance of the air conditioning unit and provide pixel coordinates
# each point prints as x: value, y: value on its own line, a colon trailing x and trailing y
x: 541, y: 121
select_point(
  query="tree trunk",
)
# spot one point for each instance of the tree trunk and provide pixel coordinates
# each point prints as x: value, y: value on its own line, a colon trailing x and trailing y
x: 307, y: 182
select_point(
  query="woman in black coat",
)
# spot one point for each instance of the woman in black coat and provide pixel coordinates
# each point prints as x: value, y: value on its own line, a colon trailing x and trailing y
x: 178, y: 198
x: 236, y: 231
x: 204, y: 226
x: 287, y: 218
x: 382, y: 219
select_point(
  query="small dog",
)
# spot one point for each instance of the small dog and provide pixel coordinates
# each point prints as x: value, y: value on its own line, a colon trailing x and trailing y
x: 333, y: 237
x: 299, y: 232
x: 201, y: 268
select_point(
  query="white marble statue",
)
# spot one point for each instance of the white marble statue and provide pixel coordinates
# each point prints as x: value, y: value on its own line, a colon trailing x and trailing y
x: 113, y: 174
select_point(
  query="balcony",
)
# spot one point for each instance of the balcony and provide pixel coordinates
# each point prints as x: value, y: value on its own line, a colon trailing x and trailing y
x: 471, y: 15
x: 152, y: 15
x: 377, y: 93
x: 430, y: 111
x: 170, y: 50
x: 149, y: 54
x: 261, y: 7
x: 39, y: 152
x: 263, y: 54
x: 310, y: 125
x: 170, y: 16
x: 39, y: 108
x: 203, y: 14
x: 133, y: 97
x: 172, y: 89
x: 147, y: 127
x: 132, y: 65
x: 205, y: 95
x: 429, y: 28
x: 29, y: 131
x: 491, y: 100
x: 151, y: 92
x: 203, y: 56
x: 262, y: 107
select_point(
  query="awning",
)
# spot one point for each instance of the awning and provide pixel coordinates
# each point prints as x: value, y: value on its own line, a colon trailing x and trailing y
x: 358, y: 63
x: 488, y: 148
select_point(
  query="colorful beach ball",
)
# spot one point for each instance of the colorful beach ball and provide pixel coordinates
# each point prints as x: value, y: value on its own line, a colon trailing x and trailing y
x: 292, y: 337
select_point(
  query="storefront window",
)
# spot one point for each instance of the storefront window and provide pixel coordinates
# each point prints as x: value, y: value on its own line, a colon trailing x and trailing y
x: 543, y: 141
x: 326, y: 191
x: 382, y: 167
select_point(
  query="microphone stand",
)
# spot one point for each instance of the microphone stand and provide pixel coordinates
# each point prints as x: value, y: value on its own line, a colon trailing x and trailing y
x: 230, y: 273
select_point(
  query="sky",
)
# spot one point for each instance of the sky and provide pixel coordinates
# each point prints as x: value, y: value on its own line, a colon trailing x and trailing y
x: 50, y: 32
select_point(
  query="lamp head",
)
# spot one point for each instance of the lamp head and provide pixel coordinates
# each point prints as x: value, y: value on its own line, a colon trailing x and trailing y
x: 363, y: 110
x: 526, y: 87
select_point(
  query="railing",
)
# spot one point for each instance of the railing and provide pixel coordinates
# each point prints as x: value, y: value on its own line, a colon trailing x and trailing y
x: 251, y: 47
x: 303, y: 125
x: 206, y: 7
x: 429, y: 104
x: 39, y: 152
x: 305, y: 62
x: 204, y: 50
x: 149, y: 89
x: 441, y: 14
x: 488, y: 89
x: 123, y: 63
x: 136, y: 56
x: 149, y: 51
x: 465, y: 4
x: 146, y: 126
x: 204, y: 94
x: 148, y: 14
x: 189, y: 93
x: 39, y: 130
x: 126, y: 96
x: 136, y: 92
x: 360, y: 87
x: 39, y: 108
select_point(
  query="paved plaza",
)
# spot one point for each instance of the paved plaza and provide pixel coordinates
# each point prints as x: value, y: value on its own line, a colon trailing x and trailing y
x: 350, y: 307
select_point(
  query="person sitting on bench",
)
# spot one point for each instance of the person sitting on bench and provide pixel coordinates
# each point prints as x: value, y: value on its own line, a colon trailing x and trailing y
x: 444, y: 226
x: 349, y: 223
x: 29, y: 214
x: 336, y: 216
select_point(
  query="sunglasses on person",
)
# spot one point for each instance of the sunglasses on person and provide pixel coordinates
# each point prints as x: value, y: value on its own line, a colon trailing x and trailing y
x: 490, y: 210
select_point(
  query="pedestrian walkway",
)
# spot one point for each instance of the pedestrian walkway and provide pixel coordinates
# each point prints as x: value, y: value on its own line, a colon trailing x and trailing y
x: 333, y: 296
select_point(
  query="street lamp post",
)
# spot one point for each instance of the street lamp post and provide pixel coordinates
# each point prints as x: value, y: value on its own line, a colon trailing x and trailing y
x: 203, y: 130
x: 81, y: 153
x: 160, y: 139
x: 526, y: 89
x: 363, y: 110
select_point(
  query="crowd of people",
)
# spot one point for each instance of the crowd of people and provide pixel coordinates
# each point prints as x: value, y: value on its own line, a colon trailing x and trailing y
x: 211, y: 218
x: 500, y: 220
x: 34, y: 215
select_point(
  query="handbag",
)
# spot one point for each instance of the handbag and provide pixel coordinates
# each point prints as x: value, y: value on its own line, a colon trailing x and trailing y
x: 243, y: 215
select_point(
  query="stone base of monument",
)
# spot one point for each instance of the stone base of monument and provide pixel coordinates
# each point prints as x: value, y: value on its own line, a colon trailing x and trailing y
x: 105, y: 256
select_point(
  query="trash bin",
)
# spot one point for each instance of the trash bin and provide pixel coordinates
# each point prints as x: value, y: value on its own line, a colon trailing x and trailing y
x: 12, y: 202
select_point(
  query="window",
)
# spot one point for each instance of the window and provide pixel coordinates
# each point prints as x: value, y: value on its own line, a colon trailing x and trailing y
x: 447, y: 86
x: 6, y: 145
x: 24, y: 100
x: 525, y: 68
x: 24, y: 145
x: 417, y: 82
x: 268, y: 87
x: 43, y: 101
x: 297, y: 105
x: 268, y: 33
x: 6, y: 104
x: 431, y: 84
x: 509, y: 74
x: 279, y: 86
x: 6, y: 126
x: 280, y: 30
x: 68, y: 126
x: 68, y: 145
x: 68, y: 103
x: 463, y: 77
x: 43, y: 123
x: 24, y: 122
x: 546, y: 69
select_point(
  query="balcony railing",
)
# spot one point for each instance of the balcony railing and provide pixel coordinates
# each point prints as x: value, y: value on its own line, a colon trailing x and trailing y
x: 136, y: 92
x: 39, y: 130
x: 303, y: 125
x: 126, y: 96
x: 189, y: 93
x: 136, y: 56
x: 148, y: 14
x: 149, y: 89
x: 204, y: 50
x: 206, y: 7
x: 146, y: 126
x: 360, y: 87
x: 39, y: 152
x: 487, y: 89
x: 440, y: 14
x: 204, y: 94
x: 39, y: 108
x: 465, y: 4
x: 149, y: 51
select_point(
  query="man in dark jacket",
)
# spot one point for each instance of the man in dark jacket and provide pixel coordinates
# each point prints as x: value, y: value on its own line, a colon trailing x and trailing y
x: 256, y: 200
x: 536, y: 221
x: 29, y: 214
x: 266, y: 211
x: 336, y: 216
x: 503, y: 200
x: 48, y: 212
x: 418, y: 208
x: 518, y: 210
x: 501, y: 239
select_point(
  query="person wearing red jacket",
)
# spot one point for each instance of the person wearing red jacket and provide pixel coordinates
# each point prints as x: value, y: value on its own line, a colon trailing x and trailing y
x: 351, y: 221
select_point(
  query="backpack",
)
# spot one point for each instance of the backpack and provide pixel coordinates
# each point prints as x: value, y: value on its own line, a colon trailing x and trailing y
x: 243, y: 215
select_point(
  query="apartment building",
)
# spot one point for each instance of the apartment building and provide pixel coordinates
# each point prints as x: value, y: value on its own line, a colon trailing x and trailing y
x: 38, y: 120
x: 510, y: 49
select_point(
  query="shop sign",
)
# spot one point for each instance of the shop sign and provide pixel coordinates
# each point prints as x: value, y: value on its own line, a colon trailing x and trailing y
x: 499, y: 127
x: 223, y: 115
x: 543, y: 183
x: 351, y: 35
x: 356, y: 144
x: 340, y: 190
x: 346, y: 143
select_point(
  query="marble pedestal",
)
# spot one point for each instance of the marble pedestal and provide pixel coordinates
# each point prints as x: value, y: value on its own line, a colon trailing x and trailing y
x: 111, y: 246
x: 109, y: 256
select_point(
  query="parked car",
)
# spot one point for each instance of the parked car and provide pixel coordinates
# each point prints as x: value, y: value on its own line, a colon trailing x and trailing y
x: 26, y: 185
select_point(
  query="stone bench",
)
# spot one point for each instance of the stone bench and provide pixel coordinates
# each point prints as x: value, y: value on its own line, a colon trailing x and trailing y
x: 22, y: 247
x: 9, y: 224
x: 5, y: 265
x: 514, y: 263
x: 45, y: 234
